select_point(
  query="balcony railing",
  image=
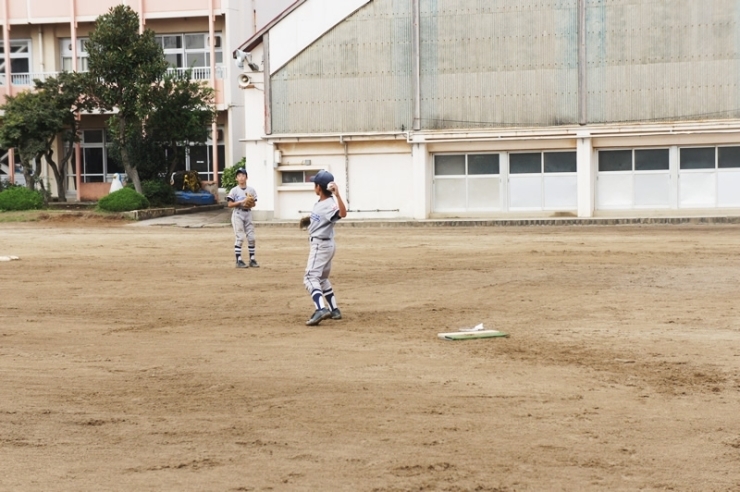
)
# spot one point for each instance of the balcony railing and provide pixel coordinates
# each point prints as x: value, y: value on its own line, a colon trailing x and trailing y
x: 197, y: 73
x: 26, y: 78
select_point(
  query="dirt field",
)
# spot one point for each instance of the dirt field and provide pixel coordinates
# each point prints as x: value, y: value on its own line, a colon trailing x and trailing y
x: 139, y: 359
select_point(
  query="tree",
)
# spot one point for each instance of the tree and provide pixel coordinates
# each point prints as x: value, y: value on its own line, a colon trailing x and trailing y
x: 124, y: 66
x: 182, y: 112
x: 66, y: 95
x: 34, y: 120
x: 155, y: 109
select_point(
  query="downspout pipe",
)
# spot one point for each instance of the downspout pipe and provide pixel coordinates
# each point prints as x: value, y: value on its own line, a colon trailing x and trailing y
x: 416, y: 64
x: 8, y: 92
x: 78, y: 149
x: 582, y: 81
x: 346, y: 167
x: 214, y: 125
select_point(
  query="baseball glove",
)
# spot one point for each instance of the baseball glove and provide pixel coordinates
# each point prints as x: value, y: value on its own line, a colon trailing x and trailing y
x: 251, y: 202
x: 304, y: 222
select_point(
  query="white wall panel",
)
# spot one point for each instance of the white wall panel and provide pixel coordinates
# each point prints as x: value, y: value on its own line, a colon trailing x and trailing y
x: 449, y: 194
x: 697, y: 189
x: 484, y: 194
x: 561, y: 192
x: 614, y: 191
x: 728, y: 188
x: 370, y: 188
x: 525, y: 192
x: 652, y: 190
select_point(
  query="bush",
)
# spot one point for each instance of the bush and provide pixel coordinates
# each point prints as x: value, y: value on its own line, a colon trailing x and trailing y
x: 123, y: 200
x: 158, y: 192
x: 21, y: 198
x: 6, y: 185
x: 228, y: 180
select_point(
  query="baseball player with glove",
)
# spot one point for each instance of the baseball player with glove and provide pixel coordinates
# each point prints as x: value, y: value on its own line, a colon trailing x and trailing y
x: 326, y: 212
x: 242, y: 199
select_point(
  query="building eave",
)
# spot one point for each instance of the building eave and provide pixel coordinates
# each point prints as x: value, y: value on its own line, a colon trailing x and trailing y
x: 256, y: 39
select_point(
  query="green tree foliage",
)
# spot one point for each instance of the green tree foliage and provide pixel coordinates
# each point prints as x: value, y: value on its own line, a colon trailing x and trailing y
x: 153, y: 107
x: 228, y: 180
x: 34, y: 120
x: 123, y: 200
x: 20, y: 198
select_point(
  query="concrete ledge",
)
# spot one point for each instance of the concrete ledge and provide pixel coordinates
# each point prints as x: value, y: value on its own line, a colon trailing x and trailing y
x: 149, y: 213
x: 198, y: 208
x: 518, y: 222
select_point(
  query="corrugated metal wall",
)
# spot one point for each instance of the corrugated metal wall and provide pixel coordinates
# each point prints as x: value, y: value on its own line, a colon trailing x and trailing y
x: 491, y: 63
x: 356, y: 78
x: 662, y: 60
x: 503, y: 63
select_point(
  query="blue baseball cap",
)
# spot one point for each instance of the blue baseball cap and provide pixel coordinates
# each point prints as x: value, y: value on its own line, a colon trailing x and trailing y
x: 241, y: 170
x: 322, y: 178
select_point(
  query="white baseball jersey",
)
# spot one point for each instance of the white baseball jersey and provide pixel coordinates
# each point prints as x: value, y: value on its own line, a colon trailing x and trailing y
x: 238, y: 194
x: 323, y: 217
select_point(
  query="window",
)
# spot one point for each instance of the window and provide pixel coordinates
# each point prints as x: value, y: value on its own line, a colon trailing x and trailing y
x: 615, y: 160
x: 728, y: 157
x: 560, y: 162
x: 466, y: 182
x: 297, y: 177
x: 183, y: 51
x: 651, y: 160
x: 697, y: 158
x: 20, y: 61
x: 532, y: 162
x: 82, y: 56
x: 640, y: 160
x: 97, y: 164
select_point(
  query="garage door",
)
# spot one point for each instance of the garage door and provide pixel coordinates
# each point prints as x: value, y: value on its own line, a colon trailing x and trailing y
x: 709, y: 177
x: 466, y: 183
x: 633, y: 179
x: 543, y: 181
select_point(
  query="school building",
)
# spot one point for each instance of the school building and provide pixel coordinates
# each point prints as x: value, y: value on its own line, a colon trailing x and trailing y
x: 503, y: 108
x: 43, y: 37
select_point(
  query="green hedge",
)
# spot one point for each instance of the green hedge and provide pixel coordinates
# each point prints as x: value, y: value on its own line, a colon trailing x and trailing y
x: 158, y: 192
x: 21, y: 198
x: 123, y: 200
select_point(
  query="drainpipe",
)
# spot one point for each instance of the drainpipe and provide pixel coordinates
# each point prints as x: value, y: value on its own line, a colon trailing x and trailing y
x: 141, y: 17
x: 6, y: 44
x: 78, y: 117
x: 416, y: 61
x: 214, y: 125
x: 346, y: 167
x: 267, y: 82
x: 582, y: 96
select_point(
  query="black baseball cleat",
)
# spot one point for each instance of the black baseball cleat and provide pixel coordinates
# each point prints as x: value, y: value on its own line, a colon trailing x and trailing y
x: 241, y: 264
x: 336, y: 314
x: 253, y: 264
x: 318, y: 316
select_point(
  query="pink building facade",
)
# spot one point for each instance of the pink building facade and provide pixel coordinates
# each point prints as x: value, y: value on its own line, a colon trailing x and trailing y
x: 44, y: 37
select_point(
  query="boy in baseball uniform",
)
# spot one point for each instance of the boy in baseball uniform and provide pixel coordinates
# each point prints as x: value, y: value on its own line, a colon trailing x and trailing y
x: 241, y: 199
x: 326, y: 212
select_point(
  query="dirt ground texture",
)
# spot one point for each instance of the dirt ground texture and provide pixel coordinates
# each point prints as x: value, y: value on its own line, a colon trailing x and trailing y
x: 139, y: 358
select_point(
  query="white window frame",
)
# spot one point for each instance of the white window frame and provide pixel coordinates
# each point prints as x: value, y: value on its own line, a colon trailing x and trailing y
x: 199, y: 72
x: 550, y: 184
x: 632, y: 175
x: 467, y: 177
x: 66, y: 53
x: 19, y: 78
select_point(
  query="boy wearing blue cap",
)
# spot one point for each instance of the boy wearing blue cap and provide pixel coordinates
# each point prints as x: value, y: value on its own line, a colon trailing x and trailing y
x: 326, y: 212
x: 242, y: 198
